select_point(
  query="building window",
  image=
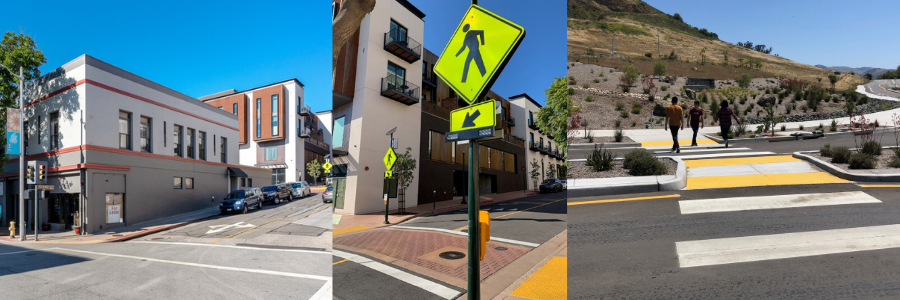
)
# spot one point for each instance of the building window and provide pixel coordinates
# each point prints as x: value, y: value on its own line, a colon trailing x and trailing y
x: 274, y: 115
x: 337, y: 140
x: 398, y: 32
x: 202, y: 148
x: 189, y: 183
x: 278, y: 176
x: 271, y: 153
x: 191, y: 142
x: 54, y: 130
x: 234, y: 109
x: 223, y: 149
x: 178, y: 140
x: 146, y: 145
x: 250, y: 182
x: 124, y: 130
x: 164, y: 134
x: 243, y: 182
x: 299, y: 104
x: 396, y: 76
x: 178, y: 183
x: 531, y: 138
x: 258, y: 119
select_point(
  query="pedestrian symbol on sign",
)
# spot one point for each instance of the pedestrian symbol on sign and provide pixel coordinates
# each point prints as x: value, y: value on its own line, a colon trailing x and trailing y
x: 472, y: 42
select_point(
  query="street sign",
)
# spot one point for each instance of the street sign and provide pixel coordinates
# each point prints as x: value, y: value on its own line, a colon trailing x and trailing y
x: 13, y: 131
x: 44, y: 186
x: 390, y: 158
x: 388, y: 174
x: 327, y: 166
x: 477, y: 52
x: 480, y: 115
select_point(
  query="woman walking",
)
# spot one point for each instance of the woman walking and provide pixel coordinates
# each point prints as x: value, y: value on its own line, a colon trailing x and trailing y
x: 724, y: 118
x: 696, y: 114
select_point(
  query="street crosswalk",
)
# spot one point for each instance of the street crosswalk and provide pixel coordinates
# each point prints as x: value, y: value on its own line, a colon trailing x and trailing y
x: 743, y: 249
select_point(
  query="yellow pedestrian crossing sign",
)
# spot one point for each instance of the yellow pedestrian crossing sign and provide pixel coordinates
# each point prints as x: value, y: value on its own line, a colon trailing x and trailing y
x: 327, y: 166
x: 479, y: 115
x: 390, y: 158
x: 477, y: 52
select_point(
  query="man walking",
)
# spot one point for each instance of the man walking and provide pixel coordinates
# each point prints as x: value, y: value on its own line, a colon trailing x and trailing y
x: 724, y: 118
x: 696, y: 114
x: 675, y: 119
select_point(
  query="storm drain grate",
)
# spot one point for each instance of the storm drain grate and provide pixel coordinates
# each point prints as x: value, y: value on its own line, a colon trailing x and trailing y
x: 452, y: 255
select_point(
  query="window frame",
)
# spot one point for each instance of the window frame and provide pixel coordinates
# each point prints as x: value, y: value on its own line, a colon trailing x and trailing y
x: 178, y: 140
x: 127, y: 134
x: 189, y: 183
x: 275, y: 114
x: 191, y: 142
x: 178, y: 183
x: 201, y: 147
x: 54, y: 131
x: 258, y: 118
x: 223, y: 152
x: 149, y: 138
x: 234, y: 107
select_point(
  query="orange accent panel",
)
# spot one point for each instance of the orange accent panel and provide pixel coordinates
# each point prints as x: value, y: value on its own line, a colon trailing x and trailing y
x: 265, y: 96
x: 227, y: 104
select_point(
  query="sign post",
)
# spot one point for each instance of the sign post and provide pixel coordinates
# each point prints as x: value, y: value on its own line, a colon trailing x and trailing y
x: 389, y: 159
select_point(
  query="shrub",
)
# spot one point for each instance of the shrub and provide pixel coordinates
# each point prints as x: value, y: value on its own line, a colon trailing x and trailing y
x: 618, y: 123
x: 571, y: 91
x: 647, y: 166
x: 585, y: 85
x: 833, y: 125
x: 572, y: 81
x: 871, y: 148
x: 600, y: 159
x: 601, y: 74
x: 825, y: 151
x: 624, y: 114
x: 619, y: 135
x: 620, y: 106
x: 801, y: 127
x: 634, y: 155
x: 605, y: 79
x: 636, y: 110
x: 894, y: 163
x: 590, y: 137
x: 633, y: 123
x: 596, y: 80
x: 783, y: 127
x: 589, y: 99
x: 862, y: 161
x: 840, y: 155
x: 648, y: 55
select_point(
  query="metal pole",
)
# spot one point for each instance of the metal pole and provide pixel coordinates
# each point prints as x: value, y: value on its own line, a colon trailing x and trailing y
x: 658, y: 56
x: 21, y: 155
x: 36, y: 223
x: 613, y: 50
x: 474, y: 274
x: 434, y: 204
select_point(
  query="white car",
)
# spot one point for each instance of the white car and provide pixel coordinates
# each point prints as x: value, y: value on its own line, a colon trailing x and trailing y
x: 565, y: 185
x: 300, y: 189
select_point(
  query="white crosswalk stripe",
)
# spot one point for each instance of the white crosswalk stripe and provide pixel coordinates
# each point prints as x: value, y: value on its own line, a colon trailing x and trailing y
x: 720, y: 155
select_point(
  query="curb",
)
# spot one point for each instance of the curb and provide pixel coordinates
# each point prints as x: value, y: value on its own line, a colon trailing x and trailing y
x: 155, y: 230
x: 842, y: 174
x: 605, y: 145
x: 674, y: 184
x: 461, y: 206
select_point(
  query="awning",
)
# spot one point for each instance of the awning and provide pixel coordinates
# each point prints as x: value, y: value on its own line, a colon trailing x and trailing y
x: 272, y: 166
x: 236, y: 172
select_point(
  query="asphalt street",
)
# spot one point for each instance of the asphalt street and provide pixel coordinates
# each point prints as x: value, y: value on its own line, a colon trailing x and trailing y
x: 629, y: 249
x: 234, y: 262
x: 530, y: 221
x: 883, y: 87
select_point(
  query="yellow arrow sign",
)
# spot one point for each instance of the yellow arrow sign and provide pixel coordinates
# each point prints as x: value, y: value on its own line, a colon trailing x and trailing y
x: 390, y: 158
x: 477, y: 52
x: 479, y: 115
x: 327, y: 166
x: 388, y: 174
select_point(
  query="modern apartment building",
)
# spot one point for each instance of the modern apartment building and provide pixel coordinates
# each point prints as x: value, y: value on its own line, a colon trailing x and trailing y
x: 541, y: 147
x: 277, y: 131
x: 501, y: 161
x: 377, y: 90
x: 122, y: 150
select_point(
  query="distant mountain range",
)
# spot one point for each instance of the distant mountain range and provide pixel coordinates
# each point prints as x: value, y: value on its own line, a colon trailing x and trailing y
x: 859, y: 71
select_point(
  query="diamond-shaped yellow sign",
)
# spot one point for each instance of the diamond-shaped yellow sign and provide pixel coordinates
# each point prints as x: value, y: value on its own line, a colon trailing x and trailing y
x: 477, y: 52
x: 390, y: 158
x: 327, y: 166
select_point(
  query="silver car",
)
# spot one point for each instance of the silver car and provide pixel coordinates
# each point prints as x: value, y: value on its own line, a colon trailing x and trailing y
x: 328, y: 194
x: 300, y: 189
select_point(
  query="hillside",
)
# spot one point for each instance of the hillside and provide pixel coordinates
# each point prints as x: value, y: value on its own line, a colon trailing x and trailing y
x: 592, y: 24
x: 859, y: 71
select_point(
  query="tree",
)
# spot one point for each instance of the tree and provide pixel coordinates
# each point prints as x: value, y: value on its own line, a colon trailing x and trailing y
x: 833, y: 79
x: 16, y: 51
x: 346, y: 22
x: 659, y: 69
x: 678, y: 17
x: 403, y: 169
x: 630, y: 74
x: 552, y: 117
x: 314, y: 168
x: 725, y: 53
x: 869, y: 76
x: 703, y: 56
x: 535, y: 171
x: 551, y: 170
x: 744, y: 80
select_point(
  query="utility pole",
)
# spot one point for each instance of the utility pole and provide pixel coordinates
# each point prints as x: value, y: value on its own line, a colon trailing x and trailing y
x: 613, y: 50
x: 22, y: 191
x: 657, y: 45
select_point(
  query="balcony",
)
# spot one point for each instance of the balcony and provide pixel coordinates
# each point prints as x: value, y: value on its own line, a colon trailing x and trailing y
x: 304, y: 132
x: 305, y: 110
x: 400, y: 90
x: 430, y: 79
x: 402, y: 46
x: 534, y: 146
x: 532, y: 124
x: 511, y: 122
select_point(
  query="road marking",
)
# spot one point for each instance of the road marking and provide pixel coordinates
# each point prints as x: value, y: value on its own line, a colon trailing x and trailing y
x: 879, y: 185
x: 257, y: 271
x: 337, y: 232
x: 739, y: 161
x: 422, y: 283
x: 714, y: 155
x: 711, y: 182
x: 340, y: 261
x: 704, y: 150
x: 220, y: 228
x: 456, y: 232
x: 773, y: 202
x: 770, y: 168
x: 786, y: 245
x: 512, y: 213
x: 325, y: 292
x: 235, y: 247
x: 549, y: 282
x: 245, y: 230
x: 680, y: 142
x: 625, y: 199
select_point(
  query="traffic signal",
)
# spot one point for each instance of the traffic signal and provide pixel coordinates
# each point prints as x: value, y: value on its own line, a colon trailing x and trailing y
x: 42, y: 169
x: 29, y: 173
x: 485, y: 230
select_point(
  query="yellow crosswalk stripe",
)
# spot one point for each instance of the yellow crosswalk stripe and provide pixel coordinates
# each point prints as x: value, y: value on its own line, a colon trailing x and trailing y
x: 739, y: 161
x: 761, y: 180
x: 549, y: 282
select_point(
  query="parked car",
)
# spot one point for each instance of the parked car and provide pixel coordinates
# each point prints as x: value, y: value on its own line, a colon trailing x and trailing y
x: 300, y: 189
x: 565, y: 185
x: 328, y: 195
x: 242, y: 200
x: 551, y: 185
x: 276, y: 193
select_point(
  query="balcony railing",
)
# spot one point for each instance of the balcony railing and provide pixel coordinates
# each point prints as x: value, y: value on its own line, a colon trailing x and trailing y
x: 402, y: 46
x: 532, y: 124
x: 514, y: 140
x: 534, y: 146
x: 304, y: 132
x: 402, y: 91
x: 318, y: 143
x: 305, y: 110
x: 511, y: 122
x: 430, y: 79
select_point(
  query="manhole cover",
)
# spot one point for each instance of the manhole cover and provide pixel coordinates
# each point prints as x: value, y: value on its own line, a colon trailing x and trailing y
x: 116, y: 235
x: 501, y: 248
x: 452, y: 255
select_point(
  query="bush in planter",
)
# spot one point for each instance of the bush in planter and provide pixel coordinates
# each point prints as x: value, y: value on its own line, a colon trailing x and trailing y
x: 635, y: 155
x: 871, y: 148
x: 840, y: 155
x: 646, y: 165
x: 619, y: 135
x: 862, y: 161
x: 895, y: 163
x: 600, y: 159
x: 825, y: 151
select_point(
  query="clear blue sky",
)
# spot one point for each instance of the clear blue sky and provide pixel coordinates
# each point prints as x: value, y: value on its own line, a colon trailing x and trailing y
x: 196, y: 49
x: 827, y: 32
x: 541, y: 56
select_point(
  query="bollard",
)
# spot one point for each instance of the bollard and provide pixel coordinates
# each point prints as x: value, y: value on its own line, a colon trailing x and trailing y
x: 12, y: 229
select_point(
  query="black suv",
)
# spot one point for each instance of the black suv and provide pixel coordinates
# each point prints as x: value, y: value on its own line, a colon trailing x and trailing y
x: 552, y: 185
x: 277, y: 193
x: 241, y: 200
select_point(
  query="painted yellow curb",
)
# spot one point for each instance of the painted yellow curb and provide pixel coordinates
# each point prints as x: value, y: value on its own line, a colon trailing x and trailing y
x: 738, y: 161
x: 349, y: 230
x: 680, y: 142
x: 879, y: 185
x: 761, y: 180
x: 549, y: 282
x: 340, y: 261
x: 625, y: 199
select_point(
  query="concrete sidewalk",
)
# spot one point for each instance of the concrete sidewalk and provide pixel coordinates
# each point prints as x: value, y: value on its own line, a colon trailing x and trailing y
x: 350, y: 223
